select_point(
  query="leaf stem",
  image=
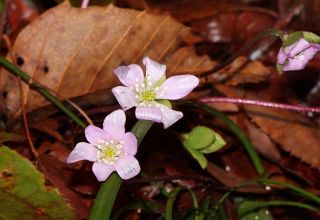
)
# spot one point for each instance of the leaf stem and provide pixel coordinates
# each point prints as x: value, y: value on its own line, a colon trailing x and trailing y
x: 257, y: 204
x: 293, y: 188
x: 268, y: 182
x: 27, y: 79
x: 236, y: 130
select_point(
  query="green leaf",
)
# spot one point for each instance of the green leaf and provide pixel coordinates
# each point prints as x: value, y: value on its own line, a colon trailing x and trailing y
x: 261, y: 214
x: 236, y: 130
x: 23, y: 192
x: 199, y: 157
x: 311, y: 37
x: 199, y: 138
x: 292, y: 38
x: 215, y: 146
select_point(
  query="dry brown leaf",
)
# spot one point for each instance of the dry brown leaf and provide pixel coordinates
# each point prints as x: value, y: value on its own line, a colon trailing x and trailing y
x: 76, y: 56
x: 262, y: 142
x: 294, y: 132
x: 56, y: 173
x: 230, y: 179
x: 49, y: 127
x: 242, y: 71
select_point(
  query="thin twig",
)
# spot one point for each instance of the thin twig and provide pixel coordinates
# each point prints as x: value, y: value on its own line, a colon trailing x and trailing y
x: 260, y: 103
x: 171, y: 178
x: 73, y: 104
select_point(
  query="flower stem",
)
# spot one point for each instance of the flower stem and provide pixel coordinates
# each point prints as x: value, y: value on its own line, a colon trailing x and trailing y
x: 108, y: 191
x: 27, y: 79
x: 256, y: 39
x: 259, y: 103
x: 106, y: 196
x: 169, y: 205
x: 236, y: 130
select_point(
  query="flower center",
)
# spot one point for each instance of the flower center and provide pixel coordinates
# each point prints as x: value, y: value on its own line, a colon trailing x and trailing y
x: 108, y: 151
x: 148, y: 95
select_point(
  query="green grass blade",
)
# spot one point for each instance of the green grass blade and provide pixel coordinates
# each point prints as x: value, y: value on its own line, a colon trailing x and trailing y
x: 255, y: 205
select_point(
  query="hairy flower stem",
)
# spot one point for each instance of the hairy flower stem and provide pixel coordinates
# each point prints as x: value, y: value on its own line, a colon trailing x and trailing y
x: 260, y: 103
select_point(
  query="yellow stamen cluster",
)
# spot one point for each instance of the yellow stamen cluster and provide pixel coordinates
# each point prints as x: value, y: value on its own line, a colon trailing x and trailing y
x: 108, y: 151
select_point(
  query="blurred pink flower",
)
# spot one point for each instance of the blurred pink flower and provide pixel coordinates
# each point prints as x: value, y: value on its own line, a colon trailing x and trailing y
x: 297, y: 55
x: 150, y: 94
x: 110, y: 148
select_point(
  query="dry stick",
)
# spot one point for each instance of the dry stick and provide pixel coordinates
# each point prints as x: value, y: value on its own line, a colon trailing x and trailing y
x: 24, y: 115
x: 260, y: 103
x: 78, y: 108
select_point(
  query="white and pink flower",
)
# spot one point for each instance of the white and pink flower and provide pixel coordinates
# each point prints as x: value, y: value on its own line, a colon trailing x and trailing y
x: 110, y: 148
x: 150, y: 93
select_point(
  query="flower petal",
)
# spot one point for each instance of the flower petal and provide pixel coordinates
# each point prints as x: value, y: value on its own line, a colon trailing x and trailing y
x: 152, y: 113
x: 114, y: 124
x: 316, y: 46
x: 125, y: 97
x: 94, y: 134
x: 130, y: 144
x: 129, y: 75
x: 83, y: 151
x: 127, y: 167
x: 154, y: 71
x: 282, y: 56
x: 299, y: 47
x: 169, y: 116
x: 300, y: 61
x: 177, y: 87
x: 102, y: 171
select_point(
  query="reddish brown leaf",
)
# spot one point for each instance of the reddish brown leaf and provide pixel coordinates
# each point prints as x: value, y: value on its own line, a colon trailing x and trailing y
x: 294, y: 132
x: 241, y: 71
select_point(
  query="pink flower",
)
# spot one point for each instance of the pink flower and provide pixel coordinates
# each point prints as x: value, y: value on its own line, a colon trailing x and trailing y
x: 150, y: 94
x: 110, y: 148
x: 297, y: 55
